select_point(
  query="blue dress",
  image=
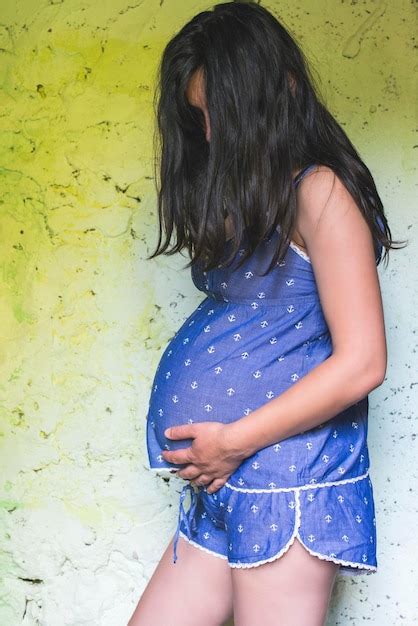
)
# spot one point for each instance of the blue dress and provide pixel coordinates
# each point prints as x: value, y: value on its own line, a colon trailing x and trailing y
x: 249, y: 340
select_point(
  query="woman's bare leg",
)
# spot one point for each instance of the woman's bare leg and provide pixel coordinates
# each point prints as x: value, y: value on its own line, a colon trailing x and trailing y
x: 292, y: 590
x: 197, y: 589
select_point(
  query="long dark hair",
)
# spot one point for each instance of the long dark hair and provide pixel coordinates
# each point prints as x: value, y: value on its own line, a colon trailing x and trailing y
x: 261, y: 131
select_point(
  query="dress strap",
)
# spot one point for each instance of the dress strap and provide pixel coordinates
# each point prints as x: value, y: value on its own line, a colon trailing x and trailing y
x: 302, y: 173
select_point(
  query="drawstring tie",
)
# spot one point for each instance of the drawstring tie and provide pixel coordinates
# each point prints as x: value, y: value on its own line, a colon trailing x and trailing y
x: 186, y: 517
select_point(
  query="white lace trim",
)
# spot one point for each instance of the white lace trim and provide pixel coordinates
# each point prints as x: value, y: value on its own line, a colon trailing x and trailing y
x: 301, y: 488
x: 197, y: 545
x: 298, y: 518
x: 299, y: 251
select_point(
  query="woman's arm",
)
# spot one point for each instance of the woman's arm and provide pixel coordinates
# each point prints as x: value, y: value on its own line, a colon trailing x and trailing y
x: 340, y: 246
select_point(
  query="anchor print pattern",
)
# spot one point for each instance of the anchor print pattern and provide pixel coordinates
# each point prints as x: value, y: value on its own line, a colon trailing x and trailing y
x: 250, y: 339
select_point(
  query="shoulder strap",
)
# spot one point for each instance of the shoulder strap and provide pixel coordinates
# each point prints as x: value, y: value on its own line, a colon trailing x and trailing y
x: 302, y: 173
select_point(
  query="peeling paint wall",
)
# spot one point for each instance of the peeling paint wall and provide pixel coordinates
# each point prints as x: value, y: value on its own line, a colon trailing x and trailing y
x: 84, y: 317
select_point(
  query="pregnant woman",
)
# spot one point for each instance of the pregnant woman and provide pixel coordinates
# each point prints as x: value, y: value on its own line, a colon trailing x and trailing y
x: 260, y: 400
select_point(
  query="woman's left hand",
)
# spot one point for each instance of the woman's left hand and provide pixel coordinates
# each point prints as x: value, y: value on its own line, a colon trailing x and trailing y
x: 211, y: 458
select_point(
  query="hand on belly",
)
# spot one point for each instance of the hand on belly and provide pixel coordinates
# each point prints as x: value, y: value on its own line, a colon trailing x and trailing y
x: 210, y: 459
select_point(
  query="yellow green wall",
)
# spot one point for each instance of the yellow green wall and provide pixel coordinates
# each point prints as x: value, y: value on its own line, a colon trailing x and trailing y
x: 84, y: 317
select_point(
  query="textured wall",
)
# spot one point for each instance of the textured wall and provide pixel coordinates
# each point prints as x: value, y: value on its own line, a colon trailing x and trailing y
x: 84, y: 317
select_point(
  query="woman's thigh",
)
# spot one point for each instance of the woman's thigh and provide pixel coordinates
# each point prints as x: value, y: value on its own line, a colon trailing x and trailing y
x: 294, y: 589
x: 197, y: 589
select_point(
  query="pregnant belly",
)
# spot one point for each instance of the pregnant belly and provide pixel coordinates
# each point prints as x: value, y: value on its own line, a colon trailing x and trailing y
x: 221, y: 370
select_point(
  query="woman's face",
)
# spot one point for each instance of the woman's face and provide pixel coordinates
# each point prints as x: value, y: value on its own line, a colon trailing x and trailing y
x: 195, y: 94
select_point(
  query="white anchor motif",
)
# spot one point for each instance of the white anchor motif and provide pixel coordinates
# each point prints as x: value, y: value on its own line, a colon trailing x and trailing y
x: 241, y: 481
x: 264, y: 323
x: 255, y: 465
x: 160, y: 412
x: 211, y: 349
x: 224, y: 285
x: 230, y: 391
x: 281, y: 358
x: 186, y: 340
x: 248, y: 274
x: 207, y: 329
x: 325, y: 458
x: 254, y: 508
x: 277, y: 447
x: 190, y: 323
x: 274, y: 527
x: 229, y: 508
x: 230, y: 546
x: 309, y: 445
x: 354, y: 424
x: 261, y: 295
x: 351, y: 447
x: 240, y: 528
x: 208, y: 408
x: 292, y: 505
x: 313, y: 481
x: 361, y: 457
x: 245, y: 355
x: 281, y: 263
x: 328, y: 518
x: 333, y: 555
x: 269, y: 394
x: 292, y: 468
x: 272, y: 485
x: 256, y: 547
x: 273, y: 340
x: 218, y: 369
x: 190, y: 421
x: 153, y: 424
x: 290, y: 308
x: 364, y: 557
x: 311, y: 497
x: 211, y: 311
x: 335, y: 434
x: 231, y: 317
x: 206, y: 535
x: 169, y: 353
x: 160, y: 458
x: 175, y: 399
x: 358, y: 518
x: 237, y: 337
x: 298, y: 325
x: 203, y: 515
x: 311, y: 538
x: 167, y: 375
x: 345, y: 538
x: 254, y: 305
x: 187, y: 362
x: 341, y: 470
x: 241, y: 252
x: 257, y: 374
x: 247, y: 411
x: 194, y: 385
x: 294, y: 377
x: 365, y: 500
x: 166, y: 446
x: 340, y: 498
x: 290, y: 282
x: 155, y: 387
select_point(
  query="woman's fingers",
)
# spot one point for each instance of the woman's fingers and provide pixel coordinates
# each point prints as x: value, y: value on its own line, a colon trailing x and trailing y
x: 215, y: 485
